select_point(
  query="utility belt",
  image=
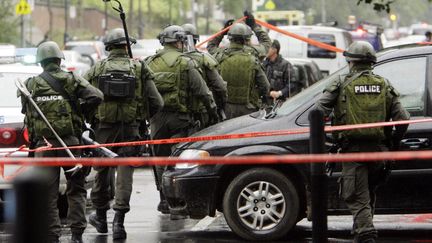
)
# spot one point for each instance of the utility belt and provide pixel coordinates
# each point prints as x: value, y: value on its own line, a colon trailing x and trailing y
x: 117, y: 85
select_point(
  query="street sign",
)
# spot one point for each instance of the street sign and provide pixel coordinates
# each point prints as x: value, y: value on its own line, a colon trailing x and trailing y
x: 270, y: 5
x: 23, y: 8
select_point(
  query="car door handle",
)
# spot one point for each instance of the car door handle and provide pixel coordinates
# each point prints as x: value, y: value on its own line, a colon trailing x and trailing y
x: 415, y: 143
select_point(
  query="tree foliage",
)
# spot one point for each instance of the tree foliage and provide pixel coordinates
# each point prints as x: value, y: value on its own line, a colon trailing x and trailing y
x: 9, y: 23
x: 380, y: 5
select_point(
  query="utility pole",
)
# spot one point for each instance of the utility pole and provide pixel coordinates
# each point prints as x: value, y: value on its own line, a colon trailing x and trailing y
x: 22, y: 31
x: 50, y: 14
x: 106, y: 19
x: 66, y: 13
x: 131, y: 17
x: 323, y: 11
x: 140, y: 21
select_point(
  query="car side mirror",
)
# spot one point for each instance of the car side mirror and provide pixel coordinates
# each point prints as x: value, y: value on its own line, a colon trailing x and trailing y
x: 87, y: 59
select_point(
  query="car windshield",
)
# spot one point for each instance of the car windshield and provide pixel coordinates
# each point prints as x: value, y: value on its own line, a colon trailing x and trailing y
x: 8, y: 92
x: 306, y: 95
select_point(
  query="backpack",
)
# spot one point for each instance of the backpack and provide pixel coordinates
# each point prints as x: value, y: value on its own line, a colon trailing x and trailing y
x: 169, y: 71
x: 237, y: 68
x: 363, y: 100
x: 123, y: 92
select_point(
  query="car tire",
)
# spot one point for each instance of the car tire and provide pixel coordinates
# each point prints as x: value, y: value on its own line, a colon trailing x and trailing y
x: 62, y: 205
x: 261, y: 193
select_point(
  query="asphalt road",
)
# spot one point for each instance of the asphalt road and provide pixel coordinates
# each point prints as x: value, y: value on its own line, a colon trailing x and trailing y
x: 144, y: 224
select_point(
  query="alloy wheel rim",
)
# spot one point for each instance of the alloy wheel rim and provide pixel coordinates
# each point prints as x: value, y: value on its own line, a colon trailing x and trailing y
x: 261, y: 205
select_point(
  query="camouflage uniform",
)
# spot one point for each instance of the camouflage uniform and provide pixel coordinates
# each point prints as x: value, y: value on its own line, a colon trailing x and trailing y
x: 241, y: 69
x: 359, y: 180
x: 180, y: 83
x: 118, y: 120
x: 68, y: 123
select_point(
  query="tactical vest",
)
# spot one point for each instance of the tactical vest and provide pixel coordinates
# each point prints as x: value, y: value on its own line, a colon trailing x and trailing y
x: 124, y: 108
x: 170, y: 77
x: 57, y: 110
x: 362, y: 99
x: 237, y: 68
x: 205, y: 61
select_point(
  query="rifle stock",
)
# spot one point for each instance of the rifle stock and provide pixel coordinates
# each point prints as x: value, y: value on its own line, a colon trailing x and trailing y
x: 101, y: 151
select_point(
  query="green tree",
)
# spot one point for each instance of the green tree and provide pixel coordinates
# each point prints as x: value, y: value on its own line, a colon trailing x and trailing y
x: 9, y: 26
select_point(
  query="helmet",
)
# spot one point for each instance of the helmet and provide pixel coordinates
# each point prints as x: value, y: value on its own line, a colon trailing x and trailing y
x: 48, y: 49
x: 116, y: 37
x: 190, y: 29
x: 171, y: 34
x: 239, y: 30
x: 361, y: 51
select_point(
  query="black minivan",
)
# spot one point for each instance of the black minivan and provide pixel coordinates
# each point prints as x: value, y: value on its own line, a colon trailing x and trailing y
x: 266, y: 201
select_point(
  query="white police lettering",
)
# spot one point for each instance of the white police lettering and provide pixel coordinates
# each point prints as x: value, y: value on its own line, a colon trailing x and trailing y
x: 367, y: 89
x: 48, y: 98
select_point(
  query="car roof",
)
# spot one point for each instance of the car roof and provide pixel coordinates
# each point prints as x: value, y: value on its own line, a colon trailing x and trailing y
x: 312, y: 28
x: 404, y: 50
x: 20, y: 68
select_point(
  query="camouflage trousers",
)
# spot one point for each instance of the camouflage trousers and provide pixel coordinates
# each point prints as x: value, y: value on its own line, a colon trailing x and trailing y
x: 75, y: 192
x: 358, y: 185
x: 100, y: 194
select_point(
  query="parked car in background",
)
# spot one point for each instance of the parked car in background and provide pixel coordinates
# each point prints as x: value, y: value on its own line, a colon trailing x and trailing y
x: 264, y: 202
x: 307, y: 71
x: 328, y: 61
x: 94, y: 49
x: 145, y: 47
x: 75, y: 62
x: 26, y: 56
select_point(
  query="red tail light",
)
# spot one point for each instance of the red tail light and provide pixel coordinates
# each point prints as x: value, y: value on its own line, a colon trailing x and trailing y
x: 71, y: 69
x: 26, y: 136
x: 7, y: 136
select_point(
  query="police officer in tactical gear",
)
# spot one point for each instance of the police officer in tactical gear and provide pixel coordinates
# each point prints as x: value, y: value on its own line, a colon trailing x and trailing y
x: 280, y: 73
x: 64, y: 99
x: 260, y: 51
x: 241, y: 69
x: 180, y: 83
x: 130, y: 98
x: 363, y: 97
x: 208, y: 65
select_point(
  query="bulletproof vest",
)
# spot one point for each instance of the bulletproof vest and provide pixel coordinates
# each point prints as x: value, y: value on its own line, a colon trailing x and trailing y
x: 362, y: 99
x: 119, y: 78
x: 205, y: 62
x: 171, y: 80
x: 57, y: 110
x: 237, y: 68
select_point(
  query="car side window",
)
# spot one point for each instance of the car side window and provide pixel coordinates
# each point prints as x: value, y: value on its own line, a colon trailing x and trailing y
x: 316, y: 52
x: 408, y: 77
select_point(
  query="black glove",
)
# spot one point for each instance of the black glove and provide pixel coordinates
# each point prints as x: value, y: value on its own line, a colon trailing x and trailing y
x: 213, y: 116
x: 250, y: 21
x: 228, y: 23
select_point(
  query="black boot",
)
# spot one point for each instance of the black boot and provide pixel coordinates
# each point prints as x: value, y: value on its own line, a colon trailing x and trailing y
x: 163, y: 204
x: 76, y: 238
x: 99, y: 220
x: 118, y: 227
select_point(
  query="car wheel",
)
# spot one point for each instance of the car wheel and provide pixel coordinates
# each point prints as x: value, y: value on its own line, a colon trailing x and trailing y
x: 62, y: 205
x: 261, y: 204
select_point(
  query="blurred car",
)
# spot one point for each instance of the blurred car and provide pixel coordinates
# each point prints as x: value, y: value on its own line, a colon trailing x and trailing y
x: 7, y: 53
x: 307, y: 71
x: 145, y: 47
x: 361, y: 34
x: 26, y: 56
x: 264, y: 202
x: 94, y: 49
x: 75, y: 62
x: 328, y: 61
x: 419, y: 29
